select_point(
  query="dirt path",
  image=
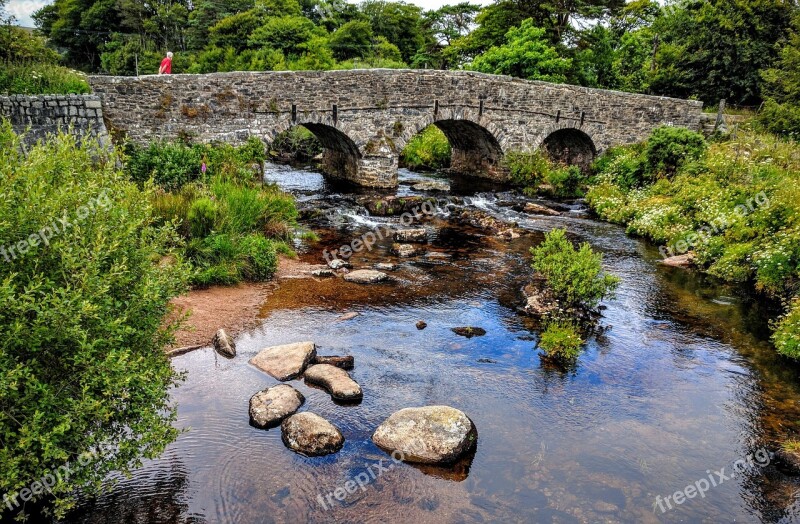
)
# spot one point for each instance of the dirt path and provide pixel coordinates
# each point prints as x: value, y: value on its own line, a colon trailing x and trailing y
x: 234, y: 308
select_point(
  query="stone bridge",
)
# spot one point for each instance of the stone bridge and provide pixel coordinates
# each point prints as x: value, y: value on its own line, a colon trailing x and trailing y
x: 364, y: 118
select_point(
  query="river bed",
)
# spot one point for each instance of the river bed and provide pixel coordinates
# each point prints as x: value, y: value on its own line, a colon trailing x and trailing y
x: 682, y: 382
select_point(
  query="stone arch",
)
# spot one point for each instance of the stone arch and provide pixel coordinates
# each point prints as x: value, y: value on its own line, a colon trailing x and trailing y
x: 569, y: 145
x: 476, y: 143
x: 341, y: 154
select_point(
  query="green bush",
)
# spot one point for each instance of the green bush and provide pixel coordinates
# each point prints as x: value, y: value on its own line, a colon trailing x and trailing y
x: 575, y: 276
x: 561, y: 341
x: 781, y: 119
x: 298, y: 143
x: 787, y: 332
x: 201, y: 217
x: 41, y: 79
x: 623, y: 166
x: 428, y: 150
x: 669, y: 147
x: 82, y: 367
x: 566, y: 181
x: 527, y: 169
x: 262, y: 260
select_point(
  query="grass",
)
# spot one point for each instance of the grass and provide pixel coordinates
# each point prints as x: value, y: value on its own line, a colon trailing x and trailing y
x: 41, y: 79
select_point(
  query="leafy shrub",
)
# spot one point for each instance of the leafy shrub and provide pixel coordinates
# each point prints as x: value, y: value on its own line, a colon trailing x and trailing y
x: 787, y: 332
x: 561, y: 341
x: 41, y: 79
x: 669, y: 147
x: 261, y: 258
x: 566, y: 181
x: 575, y: 276
x: 624, y: 166
x: 781, y: 119
x: 428, y: 150
x: 298, y: 143
x: 82, y: 368
x: 527, y: 169
x: 201, y: 217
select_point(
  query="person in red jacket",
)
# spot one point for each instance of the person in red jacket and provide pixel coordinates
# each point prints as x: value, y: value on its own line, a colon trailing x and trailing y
x: 166, y: 65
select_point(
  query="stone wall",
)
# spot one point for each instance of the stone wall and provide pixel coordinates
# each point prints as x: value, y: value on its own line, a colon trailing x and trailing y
x: 369, y: 115
x: 40, y: 115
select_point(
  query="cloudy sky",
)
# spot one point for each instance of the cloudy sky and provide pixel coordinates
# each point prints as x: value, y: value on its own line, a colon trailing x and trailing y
x: 23, y: 9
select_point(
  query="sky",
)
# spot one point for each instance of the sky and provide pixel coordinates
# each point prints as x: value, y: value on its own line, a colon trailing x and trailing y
x: 23, y: 9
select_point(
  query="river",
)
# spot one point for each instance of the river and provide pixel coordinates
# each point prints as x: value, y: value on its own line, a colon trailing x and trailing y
x: 683, y: 382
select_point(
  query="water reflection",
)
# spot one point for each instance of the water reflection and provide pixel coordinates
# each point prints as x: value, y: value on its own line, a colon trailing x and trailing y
x: 684, y: 381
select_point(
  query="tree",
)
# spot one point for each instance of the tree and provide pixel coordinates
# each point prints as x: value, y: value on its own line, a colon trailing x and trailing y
x: 284, y: 33
x: 398, y: 22
x: 593, y: 59
x: 84, y: 381
x: 352, y: 40
x: 714, y: 49
x: 781, y: 111
x: 526, y: 54
x: 441, y: 28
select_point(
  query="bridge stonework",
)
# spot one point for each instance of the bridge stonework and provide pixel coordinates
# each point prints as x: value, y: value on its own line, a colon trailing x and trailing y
x: 364, y: 118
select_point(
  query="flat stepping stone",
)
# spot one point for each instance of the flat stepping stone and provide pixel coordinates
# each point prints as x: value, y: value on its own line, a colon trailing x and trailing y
x: 285, y: 362
x: 338, y: 263
x: 385, y: 266
x: 347, y: 362
x: 366, y: 276
x: 270, y: 406
x: 411, y: 235
x: 336, y: 381
x: 427, y: 435
x: 311, y: 435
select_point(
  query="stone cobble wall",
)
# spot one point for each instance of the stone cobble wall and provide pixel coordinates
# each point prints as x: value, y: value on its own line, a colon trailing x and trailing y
x: 371, y: 114
x: 40, y: 115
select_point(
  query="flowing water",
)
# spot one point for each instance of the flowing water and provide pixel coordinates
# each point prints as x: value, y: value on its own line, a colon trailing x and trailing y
x: 682, y: 382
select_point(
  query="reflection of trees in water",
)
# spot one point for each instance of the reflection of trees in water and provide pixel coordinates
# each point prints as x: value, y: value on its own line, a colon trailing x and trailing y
x: 155, y: 497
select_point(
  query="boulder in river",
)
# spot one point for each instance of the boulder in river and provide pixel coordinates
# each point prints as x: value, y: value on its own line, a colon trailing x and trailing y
x: 482, y: 220
x: 469, y: 332
x: 427, y: 435
x: 345, y: 362
x: 347, y: 316
x: 431, y: 185
x: 311, y: 435
x: 323, y: 273
x: 336, y: 381
x: 396, y: 205
x: 386, y: 266
x: 404, y: 250
x: 685, y: 260
x: 270, y: 406
x: 422, y: 324
x: 223, y: 344
x: 538, y: 209
x: 539, y: 299
x: 411, y: 235
x: 338, y: 263
x: 285, y: 362
x: 366, y: 276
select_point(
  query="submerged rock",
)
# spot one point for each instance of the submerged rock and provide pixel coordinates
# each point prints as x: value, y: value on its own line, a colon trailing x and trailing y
x: 223, y: 344
x: 347, y: 316
x: 336, y: 381
x: 270, y: 406
x: 311, y: 435
x: 469, y: 332
x: 404, y: 250
x: 346, y: 362
x: 366, y: 276
x: 285, y: 362
x: 427, y: 435
x: 411, y: 235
